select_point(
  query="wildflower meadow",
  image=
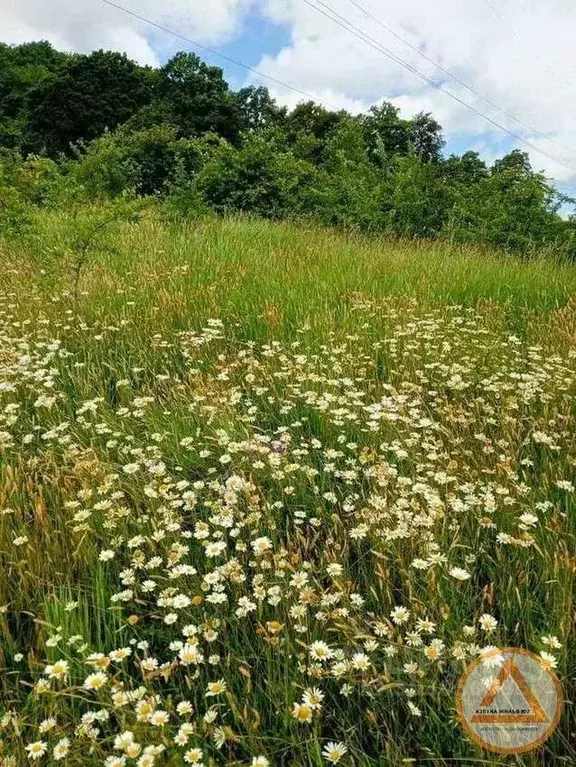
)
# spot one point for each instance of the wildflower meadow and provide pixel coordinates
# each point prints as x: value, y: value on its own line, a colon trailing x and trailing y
x: 267, y: 490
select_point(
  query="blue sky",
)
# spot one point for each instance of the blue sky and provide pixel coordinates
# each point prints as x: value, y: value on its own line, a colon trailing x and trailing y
x: 518, y: 56
x: 259, y: 36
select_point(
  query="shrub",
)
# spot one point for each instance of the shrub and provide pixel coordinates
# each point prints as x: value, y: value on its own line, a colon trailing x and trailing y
x: 255, y: 178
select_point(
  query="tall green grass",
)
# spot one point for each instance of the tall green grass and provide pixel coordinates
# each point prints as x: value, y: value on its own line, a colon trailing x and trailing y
x: 145, y: 283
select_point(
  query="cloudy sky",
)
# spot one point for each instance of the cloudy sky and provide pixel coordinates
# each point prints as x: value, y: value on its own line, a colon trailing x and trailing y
x: 517, y: 57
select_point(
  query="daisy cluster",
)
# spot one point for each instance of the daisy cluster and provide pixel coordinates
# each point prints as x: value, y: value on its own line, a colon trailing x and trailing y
x: 276, y: 553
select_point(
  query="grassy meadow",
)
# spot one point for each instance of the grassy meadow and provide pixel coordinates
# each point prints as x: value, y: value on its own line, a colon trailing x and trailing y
x: 266, y: 490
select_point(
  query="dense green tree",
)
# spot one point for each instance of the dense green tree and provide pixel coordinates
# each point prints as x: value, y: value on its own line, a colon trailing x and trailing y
x: 516, y: 164
x: 386, y: 134
x: 81, y: 101
x: 420, y: 199
x: 22, y: 69
x: 258, y: 178
x: 24, y: 183
x: 314, y: 119
x: 351, y: 191
x: 157, y: 112
x: 426, y: 137
x: 511, y: 207
x: 39, y: 54
x: 198, y: 98
x: 308, y: 127
x: 258, y: 110
x: 144, y: 162
x: 465, y: 170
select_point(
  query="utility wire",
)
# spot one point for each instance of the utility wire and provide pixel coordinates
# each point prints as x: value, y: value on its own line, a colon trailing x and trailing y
x: 492, y: 7
x: 514, y: 32
x: 509, y: 115
x: 222, y: 56
x: 337, y: 18
x: 348, y: 26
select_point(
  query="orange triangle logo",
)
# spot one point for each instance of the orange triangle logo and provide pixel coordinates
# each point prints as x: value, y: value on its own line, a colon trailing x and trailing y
x: 536, y: 716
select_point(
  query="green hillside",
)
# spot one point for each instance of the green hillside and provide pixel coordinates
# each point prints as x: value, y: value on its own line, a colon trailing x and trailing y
x: 267, y: 489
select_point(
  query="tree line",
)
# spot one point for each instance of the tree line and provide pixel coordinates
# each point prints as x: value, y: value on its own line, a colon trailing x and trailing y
x: 99, y: 127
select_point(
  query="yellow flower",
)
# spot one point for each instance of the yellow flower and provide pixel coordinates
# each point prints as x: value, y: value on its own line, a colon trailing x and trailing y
x: 302, y: 713
x: 216, y: 688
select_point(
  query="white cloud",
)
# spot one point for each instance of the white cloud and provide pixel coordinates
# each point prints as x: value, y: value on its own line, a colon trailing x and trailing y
x: 521, y: 58
x: 519, y: 55
x: 85, y: 25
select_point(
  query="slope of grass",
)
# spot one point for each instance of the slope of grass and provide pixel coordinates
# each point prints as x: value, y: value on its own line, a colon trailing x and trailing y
x: 265, y: 488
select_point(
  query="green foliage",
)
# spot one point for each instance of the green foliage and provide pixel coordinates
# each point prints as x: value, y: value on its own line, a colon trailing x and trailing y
x: 426, y: 137
x: 309, y: 127
x: 198, y: 98
x: 146, y: 162
x: 125, y: 161
x: 461, y: 172
x: 511, y: 207
x: 90, y: 95
x: 14, y: 212
x: 115, y: 129
x: 23, y: 184
x: 258, y: 109
x: 386, y: 134
x: 352, y: 193
x: 23, y: 69
x: 419, y: 200
x: 258, y: 178
x: 184, y: 199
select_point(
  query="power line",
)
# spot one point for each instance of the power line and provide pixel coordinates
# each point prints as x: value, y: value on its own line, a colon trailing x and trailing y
x: 492, y: 7
x: 514, y: 32
x: 348, y: 26
x: 222, y: 56
x: 357, y: 32
x: 457, y: 79
x: 337, y: 18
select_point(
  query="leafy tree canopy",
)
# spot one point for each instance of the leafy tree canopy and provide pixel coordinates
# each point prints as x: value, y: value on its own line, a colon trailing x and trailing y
x: 102, y: 126
x: 82, y: 100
